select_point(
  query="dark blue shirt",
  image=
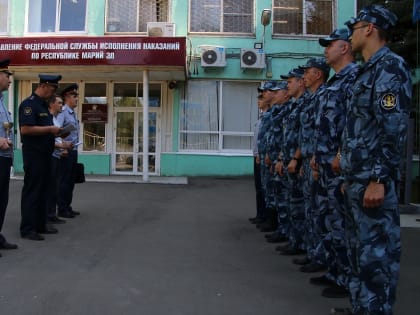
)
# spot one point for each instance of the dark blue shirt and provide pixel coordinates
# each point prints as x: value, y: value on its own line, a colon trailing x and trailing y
x: 33, y: 111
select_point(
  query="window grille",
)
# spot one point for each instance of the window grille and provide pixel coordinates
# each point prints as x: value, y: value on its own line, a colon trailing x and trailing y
x: 303, y: 17
x: 222, y: 16
x: 133, y: 15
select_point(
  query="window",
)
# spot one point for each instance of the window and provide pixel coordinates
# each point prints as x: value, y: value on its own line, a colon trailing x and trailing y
x: 94, y: 132
x: 218, y: 116
x: 222, y: 16
x: 303, y: 17
x: 133, y: 15
x: 56, y: 16
x: 4, y: 16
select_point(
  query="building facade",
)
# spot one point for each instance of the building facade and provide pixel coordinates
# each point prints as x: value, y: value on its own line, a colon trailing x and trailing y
x: 194, y: 64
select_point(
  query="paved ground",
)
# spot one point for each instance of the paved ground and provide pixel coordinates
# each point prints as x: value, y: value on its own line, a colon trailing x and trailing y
x: 157, y: 249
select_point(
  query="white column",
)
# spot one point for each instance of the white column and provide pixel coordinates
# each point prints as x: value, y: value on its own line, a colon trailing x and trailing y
x: 145, y: 125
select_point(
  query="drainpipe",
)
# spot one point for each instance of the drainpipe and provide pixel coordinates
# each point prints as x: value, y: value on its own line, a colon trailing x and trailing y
x: 145, y: 125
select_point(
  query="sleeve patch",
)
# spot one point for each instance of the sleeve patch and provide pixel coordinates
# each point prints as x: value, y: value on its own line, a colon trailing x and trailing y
x: 388, y: 101
x: 27, y: 111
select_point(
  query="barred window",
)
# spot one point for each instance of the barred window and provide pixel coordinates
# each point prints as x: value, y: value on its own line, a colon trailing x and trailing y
x: 218, y: 116
x: 133, y: 15
x: 222, y: 16
x: 303, y: 17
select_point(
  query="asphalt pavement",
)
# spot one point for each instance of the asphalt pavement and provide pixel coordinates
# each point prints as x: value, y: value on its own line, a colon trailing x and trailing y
x: 159, y: 249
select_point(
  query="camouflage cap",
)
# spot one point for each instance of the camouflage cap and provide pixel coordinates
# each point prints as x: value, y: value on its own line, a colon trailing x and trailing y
x: 319, y: 63
x: 376, y: 14
x: 268, y: 85
x: 280, y: 85
x: 338, y: 34
x: 294, y: 73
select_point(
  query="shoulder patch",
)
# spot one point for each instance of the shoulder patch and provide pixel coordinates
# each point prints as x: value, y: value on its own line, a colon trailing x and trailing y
x: 388, y: 101
x: 27, y: 111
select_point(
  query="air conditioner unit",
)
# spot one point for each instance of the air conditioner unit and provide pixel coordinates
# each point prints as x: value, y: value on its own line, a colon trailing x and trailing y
x: 212, y: 56
x: 252, y: 58
x: 160, y: 29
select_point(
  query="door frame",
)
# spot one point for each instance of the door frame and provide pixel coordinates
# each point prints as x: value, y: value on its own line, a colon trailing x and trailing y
x: 137, y: 111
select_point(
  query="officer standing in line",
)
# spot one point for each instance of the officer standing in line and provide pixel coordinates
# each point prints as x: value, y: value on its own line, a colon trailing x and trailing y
x: 270, y: 222
x: 315, y: 75
x: 55, y: 104
x: 280, y: 184
x: 329, y: 126
x: 259, y: 193
x: 68, y: 163
x: 37, y: 134
x: 6, y: 150
x: 291, y: 125
x: 371, y: 152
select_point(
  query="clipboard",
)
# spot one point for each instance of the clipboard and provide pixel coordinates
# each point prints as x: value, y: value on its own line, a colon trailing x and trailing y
x: 65, y: 130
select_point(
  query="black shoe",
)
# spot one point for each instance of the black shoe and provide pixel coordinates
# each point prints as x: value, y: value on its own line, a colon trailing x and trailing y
x: 271, y: 235
x: 277, y: 239
x: 301, y: 261
x: 292, y: 251
x: 56, y: 220
x: 322, y: 280
x: 335, y: 292
x: 48, y: 230
x: 313, y: 267
x: 280, y: 248
x: 269, y: 228
x: 33, y: 236
x: 257, y: 221
x: 7, y: 245
x: 67, y: 215
x: 74, y: 212
x: 341, y: 311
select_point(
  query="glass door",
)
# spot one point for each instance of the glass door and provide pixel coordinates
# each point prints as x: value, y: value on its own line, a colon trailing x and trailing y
x: 128, y: 142
x: 127, y: 153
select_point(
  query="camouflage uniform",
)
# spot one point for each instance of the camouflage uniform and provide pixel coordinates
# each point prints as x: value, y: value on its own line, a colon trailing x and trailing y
x: 313, y: 240
x: 280, y: 183
x: 329, y: 126
x: 290, y: 145
x: 373, y: 141
x: 264, y: 168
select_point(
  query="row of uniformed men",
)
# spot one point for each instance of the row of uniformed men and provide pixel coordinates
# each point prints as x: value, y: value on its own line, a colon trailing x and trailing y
x: 328, y: 154
x: 49, y: 134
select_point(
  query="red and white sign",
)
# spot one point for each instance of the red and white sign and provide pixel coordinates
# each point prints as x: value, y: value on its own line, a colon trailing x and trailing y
x: 125, y: 50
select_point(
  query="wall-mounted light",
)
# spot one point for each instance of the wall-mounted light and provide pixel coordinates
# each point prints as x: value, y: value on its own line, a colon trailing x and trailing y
x: 265, y: 20
x: 265, y: 17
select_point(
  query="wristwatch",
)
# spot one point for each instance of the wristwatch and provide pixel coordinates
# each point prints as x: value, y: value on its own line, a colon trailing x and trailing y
x: 377, y: 180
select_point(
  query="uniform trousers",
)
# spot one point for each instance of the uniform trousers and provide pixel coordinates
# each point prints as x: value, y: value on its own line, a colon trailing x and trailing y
x: 5, y: 164
x: 330, y: 224
x: 374, y: 250
x: 35, y: 190
x: 53, y: 188
x: 259, y: 193
x: 296, y: 212
x: 66, y: 182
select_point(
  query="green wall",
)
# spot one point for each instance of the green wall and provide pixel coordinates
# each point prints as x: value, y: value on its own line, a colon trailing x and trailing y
x: 94, y: 164
x: 205, y: 165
